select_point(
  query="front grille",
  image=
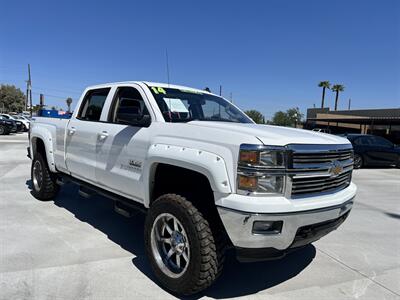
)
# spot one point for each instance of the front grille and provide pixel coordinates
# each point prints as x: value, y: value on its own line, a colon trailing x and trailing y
x: 307, y: 158
x: 306, y: 185
x: 318, y: 169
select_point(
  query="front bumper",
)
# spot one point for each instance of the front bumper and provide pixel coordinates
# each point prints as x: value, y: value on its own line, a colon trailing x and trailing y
x: 298, y: 229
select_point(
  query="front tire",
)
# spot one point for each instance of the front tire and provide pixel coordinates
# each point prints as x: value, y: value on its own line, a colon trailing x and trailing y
x: 3, y: 130
x: 44, y: 186
x: 180, y: 246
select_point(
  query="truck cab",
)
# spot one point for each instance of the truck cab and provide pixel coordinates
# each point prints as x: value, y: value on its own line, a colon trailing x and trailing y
x: 206, y: 175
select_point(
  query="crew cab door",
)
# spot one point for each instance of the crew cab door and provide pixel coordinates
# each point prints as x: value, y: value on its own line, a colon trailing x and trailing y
x: 124, y: 142
x: 82, y: 135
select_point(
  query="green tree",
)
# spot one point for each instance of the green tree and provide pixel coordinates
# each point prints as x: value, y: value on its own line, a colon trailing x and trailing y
x: 255, y: 115
x: 294, y: 115
x: 324, y: 85
x: 337, y: 88
x: 289, y: 118
x: 69, y: 102
x: 12, y: 99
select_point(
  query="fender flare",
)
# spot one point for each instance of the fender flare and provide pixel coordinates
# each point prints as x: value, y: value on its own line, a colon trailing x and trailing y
x: 206, y: 163
x: 47, y: 139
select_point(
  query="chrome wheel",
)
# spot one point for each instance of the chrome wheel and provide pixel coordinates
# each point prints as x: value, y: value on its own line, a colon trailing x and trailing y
x: 170, y: 245
x: 357, y: 161
x: 37, y: 175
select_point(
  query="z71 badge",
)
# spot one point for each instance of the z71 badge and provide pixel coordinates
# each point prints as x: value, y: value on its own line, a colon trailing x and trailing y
x: 135, y: 163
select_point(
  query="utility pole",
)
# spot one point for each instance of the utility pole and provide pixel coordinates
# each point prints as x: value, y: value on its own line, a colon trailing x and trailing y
x: 230, y: 96
x: 220, y: 90
x: 29, y: 91
x: 349, y: 103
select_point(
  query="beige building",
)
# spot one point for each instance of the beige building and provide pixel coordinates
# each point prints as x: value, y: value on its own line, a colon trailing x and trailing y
x: 383, y: 122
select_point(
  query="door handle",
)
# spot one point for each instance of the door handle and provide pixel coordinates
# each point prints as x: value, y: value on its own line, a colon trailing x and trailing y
x: 71, y: 131
x: 103, y: 135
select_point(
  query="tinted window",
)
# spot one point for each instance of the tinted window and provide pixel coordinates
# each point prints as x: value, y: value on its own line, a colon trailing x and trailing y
x: 380, y: 141
x: 363, y: 141
x: 93, y: 104
x: 127, y: 101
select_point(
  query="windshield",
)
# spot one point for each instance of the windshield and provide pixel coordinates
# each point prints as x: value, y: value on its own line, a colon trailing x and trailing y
x: 179, y: 105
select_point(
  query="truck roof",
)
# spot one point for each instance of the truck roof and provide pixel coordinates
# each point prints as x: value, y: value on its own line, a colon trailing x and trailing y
x: 149, y: 83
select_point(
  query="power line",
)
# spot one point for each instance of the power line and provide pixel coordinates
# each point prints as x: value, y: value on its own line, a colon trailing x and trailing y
x: 54, y: 96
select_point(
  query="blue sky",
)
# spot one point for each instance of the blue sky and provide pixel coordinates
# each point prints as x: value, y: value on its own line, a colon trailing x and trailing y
x: 269, y: 54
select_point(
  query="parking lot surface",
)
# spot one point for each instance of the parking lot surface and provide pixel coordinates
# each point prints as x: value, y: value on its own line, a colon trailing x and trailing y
x: 78, y: 248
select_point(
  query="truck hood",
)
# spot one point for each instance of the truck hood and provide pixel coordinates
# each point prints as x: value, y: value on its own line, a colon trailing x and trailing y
x: 275, y: 135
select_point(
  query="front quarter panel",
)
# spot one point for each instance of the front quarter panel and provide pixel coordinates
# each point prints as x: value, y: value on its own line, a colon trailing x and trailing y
x: 211, y: 165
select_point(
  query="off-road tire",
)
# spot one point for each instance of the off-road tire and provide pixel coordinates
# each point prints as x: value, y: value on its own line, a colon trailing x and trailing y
x: 206, y: 258
x: 49, y: 187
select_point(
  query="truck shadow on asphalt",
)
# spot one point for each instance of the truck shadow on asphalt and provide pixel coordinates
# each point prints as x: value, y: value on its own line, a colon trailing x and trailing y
x: 236, y: 280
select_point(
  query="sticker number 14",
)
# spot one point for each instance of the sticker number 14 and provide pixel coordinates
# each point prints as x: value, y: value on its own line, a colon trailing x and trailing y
x: 158, y: 90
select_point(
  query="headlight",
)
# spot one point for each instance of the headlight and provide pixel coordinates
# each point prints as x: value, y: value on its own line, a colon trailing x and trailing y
x: 265, y: 157
x: 261, y: 169
x: 262, y: 184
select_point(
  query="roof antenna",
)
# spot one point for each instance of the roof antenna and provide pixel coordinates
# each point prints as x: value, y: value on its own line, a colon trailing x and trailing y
x: 166, y: 56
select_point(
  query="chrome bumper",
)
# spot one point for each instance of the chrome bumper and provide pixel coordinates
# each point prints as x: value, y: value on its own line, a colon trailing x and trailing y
x: 239, y: 225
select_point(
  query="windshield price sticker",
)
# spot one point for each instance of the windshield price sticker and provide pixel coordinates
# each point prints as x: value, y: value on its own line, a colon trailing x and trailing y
x: 176, y: 105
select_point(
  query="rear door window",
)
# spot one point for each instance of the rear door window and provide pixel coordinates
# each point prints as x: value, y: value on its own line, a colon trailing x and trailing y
x: 92, y: 104
x: 379, y: 141
x: 363, y: 141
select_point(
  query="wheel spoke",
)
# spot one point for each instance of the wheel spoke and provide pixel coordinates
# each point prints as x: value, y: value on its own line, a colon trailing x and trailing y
x: 178, y: 260
x: 176, y: 227
x: 165, y: 240
x: 169, y: 230
x: 169, y: 254
x: 185, y: 257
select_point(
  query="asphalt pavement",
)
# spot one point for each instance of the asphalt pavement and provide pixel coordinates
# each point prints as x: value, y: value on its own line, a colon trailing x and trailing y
x: 78, y: 248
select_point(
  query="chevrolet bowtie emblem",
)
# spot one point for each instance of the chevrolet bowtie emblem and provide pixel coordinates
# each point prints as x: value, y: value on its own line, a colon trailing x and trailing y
x: 336, y: 168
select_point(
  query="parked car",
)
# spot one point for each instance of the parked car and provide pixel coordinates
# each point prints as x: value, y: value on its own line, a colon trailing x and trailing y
x: 20, y: 124
x: 25, y: 121
x: 7, y: 126
x: 323, y: 130
x: 205, y: 174
x: 372, y: 150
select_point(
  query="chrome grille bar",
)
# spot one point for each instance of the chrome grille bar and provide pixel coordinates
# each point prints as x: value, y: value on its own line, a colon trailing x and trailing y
x: 311, y: 168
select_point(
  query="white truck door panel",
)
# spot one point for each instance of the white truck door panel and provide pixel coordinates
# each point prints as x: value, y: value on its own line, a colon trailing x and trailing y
x: 120, y: 159
x: 121, y: 149
x: 81, y: 139
x: 82, y: 135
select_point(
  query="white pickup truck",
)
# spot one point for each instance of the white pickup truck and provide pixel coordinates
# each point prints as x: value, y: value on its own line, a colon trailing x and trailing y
x: 206, y: 175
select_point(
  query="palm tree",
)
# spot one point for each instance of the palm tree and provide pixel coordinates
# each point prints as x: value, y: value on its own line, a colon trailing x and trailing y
x: 69, y: 101
x: 337, y: 88
x: 324, y: 85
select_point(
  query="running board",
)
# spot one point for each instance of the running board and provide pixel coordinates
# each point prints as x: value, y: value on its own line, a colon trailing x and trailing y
x: 124, y: 205
x: 85, y: 192
x: 122, y: 209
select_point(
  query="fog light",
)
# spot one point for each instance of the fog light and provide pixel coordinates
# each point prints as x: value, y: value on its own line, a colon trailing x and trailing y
x: 267, y: 227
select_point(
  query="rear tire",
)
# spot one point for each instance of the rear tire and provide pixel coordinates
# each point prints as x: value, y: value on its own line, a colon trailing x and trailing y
x: 191, y: 238
x: 358, y: 161
x: 44, y: 186
x: 3, y: 130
